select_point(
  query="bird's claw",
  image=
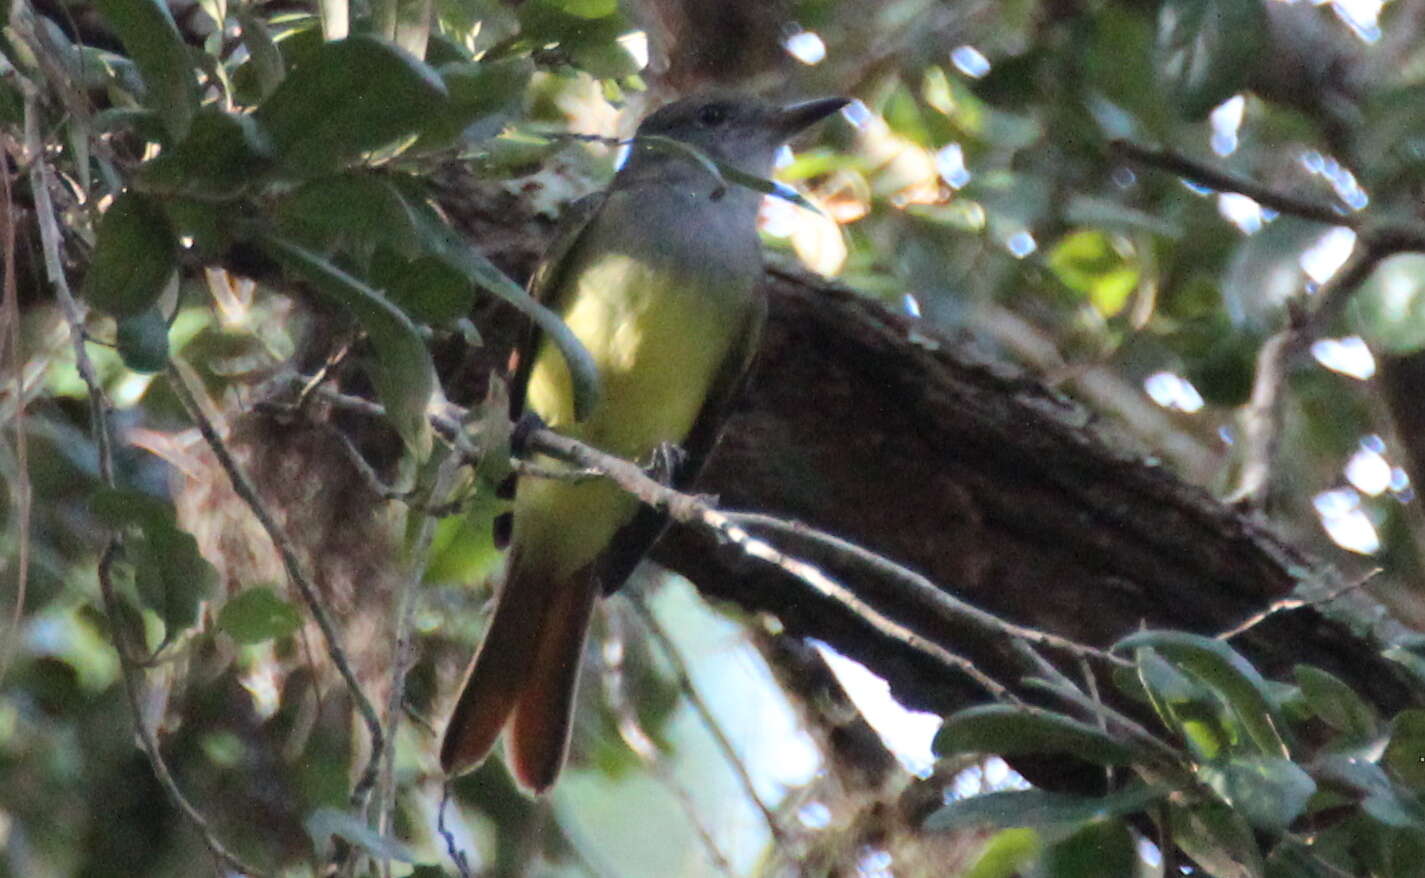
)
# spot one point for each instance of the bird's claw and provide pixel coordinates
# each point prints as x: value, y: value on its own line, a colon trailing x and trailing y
x: 665, y: 461
x: 526, y: 424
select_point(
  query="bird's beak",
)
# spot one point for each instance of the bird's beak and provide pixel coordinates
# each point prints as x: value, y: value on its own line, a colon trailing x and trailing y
x: 799, y: 117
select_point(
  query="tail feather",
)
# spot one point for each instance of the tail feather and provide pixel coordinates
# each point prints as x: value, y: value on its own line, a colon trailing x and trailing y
x: 538, y: 739
x: 498, y: 672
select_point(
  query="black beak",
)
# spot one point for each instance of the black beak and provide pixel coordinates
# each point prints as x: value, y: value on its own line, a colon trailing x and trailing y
x: 799, y: 117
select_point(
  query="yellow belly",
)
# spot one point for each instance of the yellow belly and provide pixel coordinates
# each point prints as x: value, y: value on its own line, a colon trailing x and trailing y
x: 658, y: 345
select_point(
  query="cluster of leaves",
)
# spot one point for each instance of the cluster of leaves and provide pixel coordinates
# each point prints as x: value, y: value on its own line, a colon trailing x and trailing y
x: 298, y: 156
x: 282, y: 178
x: 1249, y: 777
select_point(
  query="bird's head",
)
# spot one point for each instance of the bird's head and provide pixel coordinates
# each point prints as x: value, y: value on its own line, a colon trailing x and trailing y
x: 744, y: 132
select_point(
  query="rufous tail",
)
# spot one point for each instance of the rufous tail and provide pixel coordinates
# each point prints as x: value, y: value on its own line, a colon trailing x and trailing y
x: 524, y: 676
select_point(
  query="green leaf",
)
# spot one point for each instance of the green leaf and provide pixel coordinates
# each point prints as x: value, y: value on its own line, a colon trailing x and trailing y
x: 258, y: 614
x: 135, y: 255
x: 1352, y: 773
x: 442, y: 242
x: 1405, y: 754
x: 1292, y: 859
x: 264, y: 56
x: 352, y: 96
x: 426, y: 288
x: 1336, y: 703
x: 142, y: 340
x: 118, y: 508
x: 353, y: 211
x: 170, y: 575
x: 484, y: 97
x: 1102, y: 850
x: 1007, y: 731
x: 1207, y: 50
x: 403, y: 373
x: 1184, y: 705
x: 327, y: 822
x: 1269, y: 792
x: 221, y: 156
x: 1230, y: 675
x: 1096, y: 265
x: 1006, y: 854
x: 1040, y: 809
x: 586, y: 8
x: 1217, y: 839
x: 152, y: 40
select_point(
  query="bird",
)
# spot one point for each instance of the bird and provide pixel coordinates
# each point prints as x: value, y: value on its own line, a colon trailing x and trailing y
x: 659, y: 278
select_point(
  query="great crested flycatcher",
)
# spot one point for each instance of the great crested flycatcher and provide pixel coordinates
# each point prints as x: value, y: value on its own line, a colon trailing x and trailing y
x: 660, y: 284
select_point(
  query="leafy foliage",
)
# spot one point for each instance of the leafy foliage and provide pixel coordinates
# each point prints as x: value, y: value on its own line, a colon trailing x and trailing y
x: 1232, y: 805
x: 977, y: 187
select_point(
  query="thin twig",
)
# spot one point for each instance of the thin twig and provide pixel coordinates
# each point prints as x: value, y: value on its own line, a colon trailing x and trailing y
x: 305, y: 587
x: 452, y: 847
x: 50, y: 243
x: 403, y: 645
x: 41, y: 181
x: 630, y: 729
x: 1286, y: 604
x: 1261, y: 417
x: 700, y: 707
x: 21, y: 496
x: 937, y: 600
x: 146, y: 736
x: 534, y: 470
x: 364, y: 470
x: 690, y: 509
x: 1222, y: 181
x: 1059, y: 684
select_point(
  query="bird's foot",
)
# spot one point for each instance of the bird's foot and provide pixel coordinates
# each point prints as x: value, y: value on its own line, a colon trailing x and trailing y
x: 527, y: 423
x: 665, y: 462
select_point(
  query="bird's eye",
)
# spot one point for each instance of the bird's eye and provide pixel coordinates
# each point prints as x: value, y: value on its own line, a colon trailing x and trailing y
x: 712, y: 115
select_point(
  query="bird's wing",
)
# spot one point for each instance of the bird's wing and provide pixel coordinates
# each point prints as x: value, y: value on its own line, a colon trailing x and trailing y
x: 545, y: 286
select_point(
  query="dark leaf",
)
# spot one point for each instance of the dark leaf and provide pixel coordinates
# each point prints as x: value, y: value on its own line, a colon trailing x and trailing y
x: 1184, y: 704
x: 1099, y: 850
x: 1230, y: 675
x: 171, y: 576
x: 1006, y: 854
x: 1217, y: 839
x: 258, y: 614
x: 135, y: 254
x: 442, y: 242
x: 426, y: 288
x: 142, y: 340
x: 1040, y: 809
x: 1207, y: 50
x: 264, y: 56
x: 221, y: 156
x: 1268, y: 792
x: 1336, y: 703
x: 1004, y: 730
x: 352, y: 211
x: 352, y: 96
x: 403, y: 373
x: 153, y: 42
x: 1405, y: 755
